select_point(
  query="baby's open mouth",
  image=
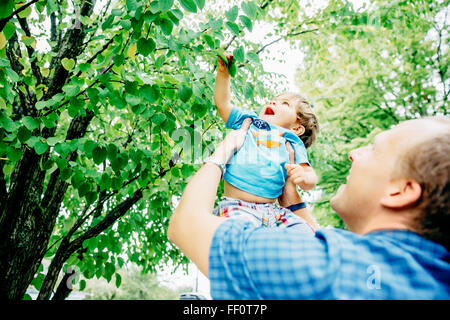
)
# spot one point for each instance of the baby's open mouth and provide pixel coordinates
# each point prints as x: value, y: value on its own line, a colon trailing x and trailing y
x: 269, y: 111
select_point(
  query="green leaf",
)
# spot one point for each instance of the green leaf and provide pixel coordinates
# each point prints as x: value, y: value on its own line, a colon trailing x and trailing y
x: 248, y: 91
x: 200, y: 4
x: 233, y: 27
x: 209, y: 41
x: 108, y: 22
x: 75, y: 106
x: 89, y: 147
x: 68, y: 64
x: 82, y: 284
x: 71, y: 90
x: 199, y: 109
x: 65, y: 173
x: 222, y: 56
x: 232, y: 68
x: 91, y: 197
x: 132, y: 100
x: 184, y: 93
x: 165, y: 5
x: 253, y: 57
x: 246, y: 22
x: 189, y: 5
x: 14, y: 155
x: 13, y: 76
x: 250, y: 9
x: 118, y: 280
x: 239, y: 54
x: 24, y: 13
x: 7, y: 123
x: 52, y: 141
x: 158, y: 118
x: 160, y: 61
x: 40, y: 147
x: 83, y: 189
x: 112, y: 151
x: 118, y: 101
x: 146, y: 46
x: 99, y: 154
x: 150, y: 93
x: 23, y: 134
x: 166, y: 26
x: 6, y: 8
x: 93, y: 243
x: 232, y: 13
x: 9, y: 30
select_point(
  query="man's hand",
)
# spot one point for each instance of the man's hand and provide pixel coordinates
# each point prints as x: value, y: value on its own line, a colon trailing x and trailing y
x: 232, y: 142
x: 192, y: 226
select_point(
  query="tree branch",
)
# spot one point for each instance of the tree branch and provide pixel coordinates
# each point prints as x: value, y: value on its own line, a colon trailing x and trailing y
x: 3, y: 190
x: 71, y: 47
x: 4, y: 21
x: 12, y: 52
x: 281, y: 38
x: 34, y: 67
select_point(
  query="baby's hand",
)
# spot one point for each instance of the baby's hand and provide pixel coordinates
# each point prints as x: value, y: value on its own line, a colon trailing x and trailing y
x: 221, y: 67
x: 303, y: 176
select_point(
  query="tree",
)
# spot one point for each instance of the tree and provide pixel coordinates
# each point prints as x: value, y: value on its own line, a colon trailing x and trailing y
x: 94, y: 124
x: 135, y: 286
x: 366, y: 69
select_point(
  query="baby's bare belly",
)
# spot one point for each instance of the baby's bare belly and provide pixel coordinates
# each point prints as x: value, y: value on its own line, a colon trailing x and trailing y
x: 236, y: 193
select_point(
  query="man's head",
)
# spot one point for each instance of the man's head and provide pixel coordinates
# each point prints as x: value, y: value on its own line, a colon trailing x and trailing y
x: 401, y: 181
x: 292, y: 111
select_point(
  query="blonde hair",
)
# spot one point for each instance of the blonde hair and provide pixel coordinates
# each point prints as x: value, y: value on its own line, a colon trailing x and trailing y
x: 306, y: 117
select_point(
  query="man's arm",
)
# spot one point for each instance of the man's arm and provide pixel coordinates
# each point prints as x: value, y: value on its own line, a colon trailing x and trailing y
x: 222, y: 89
x: 192, y: 226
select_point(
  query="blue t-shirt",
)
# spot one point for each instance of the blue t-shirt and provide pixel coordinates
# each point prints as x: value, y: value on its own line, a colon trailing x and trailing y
x: 258, y: 167
x: 249, y: 263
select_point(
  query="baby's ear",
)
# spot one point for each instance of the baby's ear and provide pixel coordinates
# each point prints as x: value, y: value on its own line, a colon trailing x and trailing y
x: 298, y: 129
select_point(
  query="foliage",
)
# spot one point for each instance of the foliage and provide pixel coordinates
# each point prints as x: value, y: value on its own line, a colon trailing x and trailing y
x: 367, y: 70
x: 135, y: 286
x: 115, y: 108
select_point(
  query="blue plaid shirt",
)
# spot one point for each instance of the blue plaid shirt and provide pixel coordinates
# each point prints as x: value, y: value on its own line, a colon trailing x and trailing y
x: 248, y: 262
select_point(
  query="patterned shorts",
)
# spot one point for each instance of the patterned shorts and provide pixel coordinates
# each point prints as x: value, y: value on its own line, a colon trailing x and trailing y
x: 261, y: 214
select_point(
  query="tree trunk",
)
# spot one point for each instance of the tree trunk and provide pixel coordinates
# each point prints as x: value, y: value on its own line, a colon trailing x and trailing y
x: 65, y: 287
x: 27, y: 219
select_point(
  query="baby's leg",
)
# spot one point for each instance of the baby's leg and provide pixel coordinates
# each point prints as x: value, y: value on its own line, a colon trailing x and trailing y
x: 238, y: 209
x: 285, y: 218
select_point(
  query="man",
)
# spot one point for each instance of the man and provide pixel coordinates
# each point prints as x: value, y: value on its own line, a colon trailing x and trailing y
x: 396, y: 207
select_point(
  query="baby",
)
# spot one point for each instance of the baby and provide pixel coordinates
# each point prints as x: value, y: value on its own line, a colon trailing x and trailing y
x: 255, y: 176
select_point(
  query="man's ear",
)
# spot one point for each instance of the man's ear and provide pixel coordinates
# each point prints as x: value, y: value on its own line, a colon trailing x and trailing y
x: 298, y: 129
x: 401, y: 193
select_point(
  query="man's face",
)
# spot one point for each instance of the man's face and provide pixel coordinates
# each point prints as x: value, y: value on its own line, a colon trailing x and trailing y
x: 358, y: 200
x: 279, y: 112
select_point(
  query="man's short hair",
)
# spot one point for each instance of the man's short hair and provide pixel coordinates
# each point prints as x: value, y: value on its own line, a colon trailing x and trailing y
x: 428, y: 163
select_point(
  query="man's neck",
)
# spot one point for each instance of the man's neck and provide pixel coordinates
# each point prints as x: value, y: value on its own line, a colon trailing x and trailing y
x: 395, y: 221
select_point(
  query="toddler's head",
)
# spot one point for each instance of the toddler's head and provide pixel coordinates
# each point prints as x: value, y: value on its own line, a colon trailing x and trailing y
x: 292, y: 111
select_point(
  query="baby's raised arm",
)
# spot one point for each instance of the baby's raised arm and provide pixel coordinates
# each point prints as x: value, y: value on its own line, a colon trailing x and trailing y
x: 222, y: 89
